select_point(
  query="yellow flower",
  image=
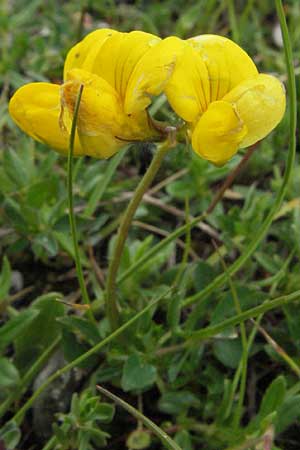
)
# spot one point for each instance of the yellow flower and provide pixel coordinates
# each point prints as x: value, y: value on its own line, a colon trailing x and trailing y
x: 120, y: 72
x: 227, y: 104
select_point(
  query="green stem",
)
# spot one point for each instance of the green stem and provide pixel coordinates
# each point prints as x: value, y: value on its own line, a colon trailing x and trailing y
x: 50, y: 444
x: 187, y: 246
x: 213, y: 330
x: 162, y: 435
x: 18, y: 417
x: 244, y: 360
x: 262, y: 231
x: 72, y: 219
x: 111, y: 302
x: 28, y: 377
x: 240, y: 367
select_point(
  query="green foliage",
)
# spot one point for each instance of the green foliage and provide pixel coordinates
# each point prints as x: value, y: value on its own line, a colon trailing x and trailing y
x: 80, y: 428
x: 137, y: 374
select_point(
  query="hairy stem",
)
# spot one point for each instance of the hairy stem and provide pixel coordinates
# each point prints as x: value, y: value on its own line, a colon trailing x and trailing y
x: 111, y: 301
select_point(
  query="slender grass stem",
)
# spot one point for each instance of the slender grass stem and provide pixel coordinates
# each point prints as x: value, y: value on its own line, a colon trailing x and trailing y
x: 50, y: 444
x: 72, y: 219
x: 111, y: 301
x: 269, y: 305
x: 244, y: 360
x: 162, y: 435
x: 238, y: 372
x: 194, y: 337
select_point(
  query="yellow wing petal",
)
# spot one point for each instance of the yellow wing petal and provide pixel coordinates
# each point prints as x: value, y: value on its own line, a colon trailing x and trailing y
x: 227, y: 63
x: 35, y: 108
x: 260, y: 102
x: 100, y: 116
x: 188, y: 89
x: 81, y: 51
x: 102, y: 126
x: 152, y: 73
x: 218, y: 133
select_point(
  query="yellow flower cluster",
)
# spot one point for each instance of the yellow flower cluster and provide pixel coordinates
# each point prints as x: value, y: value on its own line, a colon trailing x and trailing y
x: 210, y: 82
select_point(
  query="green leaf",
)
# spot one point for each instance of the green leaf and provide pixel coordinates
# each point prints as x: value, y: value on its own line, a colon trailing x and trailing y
x: 14, y: 167
x: 73, y: 349
x: 138, y: 440
x: 174, y: 311
x: 184, y: 440
x: 273, y: 398
x: 104, y: 412
x: 137, y: 374
x: 288, y: 413
x: 13, y: 212
x: 182, y: 188
x: 42, y: 192
x: 16, y: 326
x: 177, y: 402
x: 11, y: 435
x: 41, y: 332
x: 6, y: 184
x: 47, y: 242
x: 228, y: 352
x: 203, y: 275
x: 9, y: 375
x: 65, y: 241
x: 5, y: 278
x: 83, y: 325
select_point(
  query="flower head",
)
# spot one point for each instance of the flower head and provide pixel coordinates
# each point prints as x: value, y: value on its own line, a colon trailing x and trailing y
x: 227, y: 104
x: 120, y: 72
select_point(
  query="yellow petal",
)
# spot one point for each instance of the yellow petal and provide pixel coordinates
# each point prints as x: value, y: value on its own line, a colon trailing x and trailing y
x: 152, y: 73
x: 81, y: 51
x: 35, y: 108
x: 134, y: 46
x: 188, y: 89
x: 116, y: 60
x: 102, y: 125
x: 260, y: 103
x: 102, y: 59
x: 227, y: 63
x: 218, y: 133
x: 100, y: 116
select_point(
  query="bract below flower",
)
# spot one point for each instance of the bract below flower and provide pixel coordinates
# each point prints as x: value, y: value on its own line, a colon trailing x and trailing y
x: 120, y: 72
x: 225, y: 101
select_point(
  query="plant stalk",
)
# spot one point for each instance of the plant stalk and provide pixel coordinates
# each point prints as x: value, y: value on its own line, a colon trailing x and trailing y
x: 72, y: 219
x: 111, y: 301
